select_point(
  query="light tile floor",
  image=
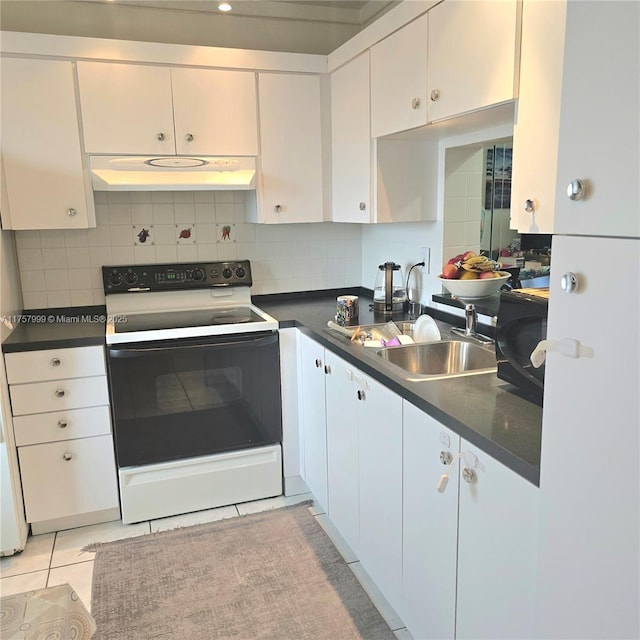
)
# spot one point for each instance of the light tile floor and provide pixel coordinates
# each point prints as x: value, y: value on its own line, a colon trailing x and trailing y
x: 56, y: 558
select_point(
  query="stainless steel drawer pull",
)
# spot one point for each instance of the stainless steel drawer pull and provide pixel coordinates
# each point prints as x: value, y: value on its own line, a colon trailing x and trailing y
x: 446, y: 457
x: 67, y: 456
x: 361, y: 395
x: 318, y: 363
x: 55, y: 362
x: 60, y: 393
x: 63, y: 424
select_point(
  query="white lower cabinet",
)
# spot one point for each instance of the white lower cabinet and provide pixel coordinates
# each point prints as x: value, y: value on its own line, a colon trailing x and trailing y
x: 469, y: 552
x: 459, y: 562
x: 62, y: 427
x: 497, y: 550
x: 61, y: 479
x: 364, y: 456
x: 429, y: 522
x: 313, y: 418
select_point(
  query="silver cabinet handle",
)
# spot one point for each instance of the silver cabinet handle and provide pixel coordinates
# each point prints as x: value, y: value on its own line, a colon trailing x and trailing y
x: 435, y: 95
x: 189, y: 137
x: 363, y: 206
x: 445, y: 457
x: 277, y: 208
x: 60, y: 393
x: 569, y: 282
x: 71, y: 212
x: 327, y: 369
x: 318, y: 363
x: 63, y: 424
x: 469, y: 475
x: 161, y: 137
x: 576, y: 189
x: 67, y: 456
x: 361, y: 395
x: 55, y: 362
x: 529, y: 206
x: 415, y: 103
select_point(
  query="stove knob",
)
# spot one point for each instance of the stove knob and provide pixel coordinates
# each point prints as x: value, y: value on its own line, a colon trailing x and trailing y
x: 241, y: 272
x: 130, y: 277
x: 197, y: 275
x: 226, y: 272
x: 115, y: 279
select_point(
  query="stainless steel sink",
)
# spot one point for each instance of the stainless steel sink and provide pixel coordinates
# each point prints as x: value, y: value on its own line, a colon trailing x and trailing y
x: 436, y: 360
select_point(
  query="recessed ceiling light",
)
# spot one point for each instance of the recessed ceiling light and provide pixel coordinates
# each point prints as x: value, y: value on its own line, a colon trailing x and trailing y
x: 224, y: 6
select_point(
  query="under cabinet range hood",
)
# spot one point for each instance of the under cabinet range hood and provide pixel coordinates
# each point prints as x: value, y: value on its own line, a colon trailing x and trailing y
x: 172, y: 173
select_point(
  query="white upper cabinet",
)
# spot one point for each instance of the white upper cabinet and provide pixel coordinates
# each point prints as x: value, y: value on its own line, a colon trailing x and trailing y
x: 47, y: 186
x: 600, y: 131
x: 472, y: 55
x: 152, y: 110
x: 351, y: 142
x: 215, y: 112
x: 126, y: 108
x: 399, y: 80
x: 537, y: 126
x: 290, y: 148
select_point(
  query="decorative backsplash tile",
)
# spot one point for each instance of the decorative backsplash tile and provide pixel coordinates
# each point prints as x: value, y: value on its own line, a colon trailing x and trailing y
x: 63, y: 268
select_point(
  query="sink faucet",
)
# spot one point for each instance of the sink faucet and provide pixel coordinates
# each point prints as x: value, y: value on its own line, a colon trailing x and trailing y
x: 470, y: 325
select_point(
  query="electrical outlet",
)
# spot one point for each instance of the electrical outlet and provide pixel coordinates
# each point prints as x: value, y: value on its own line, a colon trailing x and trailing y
x: 425, y: 252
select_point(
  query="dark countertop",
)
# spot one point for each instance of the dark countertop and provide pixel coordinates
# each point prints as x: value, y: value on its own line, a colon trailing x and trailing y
x: 482, y: 409
x: 57, y: 329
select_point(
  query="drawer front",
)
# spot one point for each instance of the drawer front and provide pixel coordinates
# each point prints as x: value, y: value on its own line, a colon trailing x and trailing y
x: 61, y: 425
x: 55, y: 364
x: 59, y: 395
x: 62, y: 479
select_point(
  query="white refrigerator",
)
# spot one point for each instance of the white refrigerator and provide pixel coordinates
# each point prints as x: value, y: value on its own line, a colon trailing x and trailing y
x: 588, y: 582
x: 13, y: 526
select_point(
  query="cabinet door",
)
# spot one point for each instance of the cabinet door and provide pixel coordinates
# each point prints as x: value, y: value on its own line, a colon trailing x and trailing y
x: 126, y: 108
x: 589, y: 566
x: 290, y: 148
x: 497, y: 550
x: 537, y: 126
x: 351, y: 142
x: 313, y: 417
x: 215, y: 112
x: 47, y: 187
x: 380, y: 481
x: 472, y: 55
x: 429, y: 527
x: 68, y: 478
x: 342, y: 450
x: 600, y: 135
x: 399, y: 80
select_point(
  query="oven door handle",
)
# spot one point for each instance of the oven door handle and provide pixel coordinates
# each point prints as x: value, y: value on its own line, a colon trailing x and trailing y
x: 132, y: 352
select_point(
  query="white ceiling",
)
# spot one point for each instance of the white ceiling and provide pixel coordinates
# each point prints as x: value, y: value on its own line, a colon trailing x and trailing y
x: 301, y: 26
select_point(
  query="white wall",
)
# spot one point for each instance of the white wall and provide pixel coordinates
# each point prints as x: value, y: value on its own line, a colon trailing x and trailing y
x: 403, y: 243
x: 62, y: 268
x: 10, y: 291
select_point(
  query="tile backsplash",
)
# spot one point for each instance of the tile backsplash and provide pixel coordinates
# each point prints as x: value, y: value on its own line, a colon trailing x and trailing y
x: 63, y: 268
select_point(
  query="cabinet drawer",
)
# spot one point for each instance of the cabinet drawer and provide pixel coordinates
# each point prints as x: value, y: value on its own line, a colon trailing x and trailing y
x: 58, y: 395
x: 61, y: 425
x: 62, y: 479
x: 54, y: 364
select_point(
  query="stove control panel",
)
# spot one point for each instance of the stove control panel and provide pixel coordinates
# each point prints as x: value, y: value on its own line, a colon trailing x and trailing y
x: 167, y: 277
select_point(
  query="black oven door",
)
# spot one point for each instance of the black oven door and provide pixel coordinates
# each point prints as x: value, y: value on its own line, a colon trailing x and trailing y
x: 179, y: 399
